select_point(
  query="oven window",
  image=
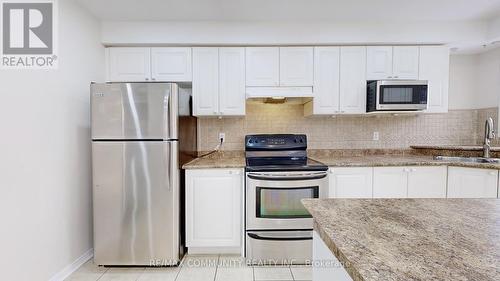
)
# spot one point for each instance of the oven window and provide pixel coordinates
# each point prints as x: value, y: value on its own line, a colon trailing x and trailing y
x: 397, y: 95
x: 283, y: 203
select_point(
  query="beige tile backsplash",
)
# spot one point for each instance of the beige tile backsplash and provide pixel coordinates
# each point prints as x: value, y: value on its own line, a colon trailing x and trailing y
x: 457, y: 127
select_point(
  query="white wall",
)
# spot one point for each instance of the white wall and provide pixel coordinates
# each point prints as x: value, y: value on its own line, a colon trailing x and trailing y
x: 489, y: 78
x: 45, y: 199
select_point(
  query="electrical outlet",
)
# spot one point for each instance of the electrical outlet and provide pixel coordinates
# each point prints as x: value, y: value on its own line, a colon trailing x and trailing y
x: 376, y: 136
x: 222, y: 136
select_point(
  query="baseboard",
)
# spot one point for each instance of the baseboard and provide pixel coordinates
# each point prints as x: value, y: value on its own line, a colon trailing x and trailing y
x: 69, y: 269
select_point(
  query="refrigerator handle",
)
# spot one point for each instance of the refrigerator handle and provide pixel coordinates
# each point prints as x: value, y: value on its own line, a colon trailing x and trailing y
x: 171, y: 111
x: 171, y: 156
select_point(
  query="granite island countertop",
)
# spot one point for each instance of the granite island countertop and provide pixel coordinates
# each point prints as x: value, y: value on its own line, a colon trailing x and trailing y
x: 411, y: 239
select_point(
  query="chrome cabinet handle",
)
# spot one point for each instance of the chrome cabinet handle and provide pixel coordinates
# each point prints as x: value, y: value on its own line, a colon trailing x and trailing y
x: 147, y: 79
x: 154, y: 79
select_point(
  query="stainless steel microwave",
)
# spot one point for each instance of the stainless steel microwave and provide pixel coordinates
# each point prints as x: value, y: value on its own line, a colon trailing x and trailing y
x: 396, y: 95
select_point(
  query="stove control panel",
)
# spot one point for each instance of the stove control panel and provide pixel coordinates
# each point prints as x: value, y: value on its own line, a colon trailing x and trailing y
x: 276, y: 142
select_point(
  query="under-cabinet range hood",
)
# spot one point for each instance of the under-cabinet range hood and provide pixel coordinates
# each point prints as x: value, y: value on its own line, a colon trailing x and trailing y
x: 276, y: 95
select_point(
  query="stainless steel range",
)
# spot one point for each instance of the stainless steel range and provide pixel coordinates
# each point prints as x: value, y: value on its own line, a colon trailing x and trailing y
x: 278, y: 176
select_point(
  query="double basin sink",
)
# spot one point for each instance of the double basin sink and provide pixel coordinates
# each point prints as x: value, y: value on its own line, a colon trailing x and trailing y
x: 468, y: 159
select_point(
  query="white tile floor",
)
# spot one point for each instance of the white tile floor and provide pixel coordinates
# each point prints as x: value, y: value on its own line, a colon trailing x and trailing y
x: 195, y: 268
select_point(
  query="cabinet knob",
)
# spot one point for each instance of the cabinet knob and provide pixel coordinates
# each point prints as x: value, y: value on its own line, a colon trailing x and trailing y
x: 396, y: 76
x: 147, y: 79
x: 154, y: 79
x: 389, y: 77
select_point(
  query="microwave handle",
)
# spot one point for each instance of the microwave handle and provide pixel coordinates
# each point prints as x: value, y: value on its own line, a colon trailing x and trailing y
x: 271, y: 238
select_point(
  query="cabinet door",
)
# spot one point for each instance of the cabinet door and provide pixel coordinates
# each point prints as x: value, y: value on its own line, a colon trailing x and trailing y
x: 390, y: 182
x: 434, y: 66
x: 206, y: 81
x: 232, y: 81
x: 405, y: 62
x: 171, y: 64
x: 213, y: 207
x: 351, y: 183
x: 262, y: 66
x: 326, y: 80
x: 296, y: 66
x: 352, y: 80
x: 427, y: 182
x: 472, y: 183
x: 379, y: 62
x: 129, y: 64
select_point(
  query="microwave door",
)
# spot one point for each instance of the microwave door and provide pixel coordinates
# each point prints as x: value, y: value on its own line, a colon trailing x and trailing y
x: 134, y: 111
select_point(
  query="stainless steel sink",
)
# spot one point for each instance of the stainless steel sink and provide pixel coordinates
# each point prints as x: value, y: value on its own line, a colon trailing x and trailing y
x: 468, y: 159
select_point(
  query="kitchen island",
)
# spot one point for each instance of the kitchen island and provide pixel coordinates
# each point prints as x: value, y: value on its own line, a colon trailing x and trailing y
x: 409, y: 239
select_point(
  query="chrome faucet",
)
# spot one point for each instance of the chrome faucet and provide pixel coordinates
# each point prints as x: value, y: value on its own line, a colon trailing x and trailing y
x: 489, y: 134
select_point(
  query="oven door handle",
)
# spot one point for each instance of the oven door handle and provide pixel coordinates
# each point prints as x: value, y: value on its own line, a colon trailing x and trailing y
x: 284, y: 177
x: 258, y: 237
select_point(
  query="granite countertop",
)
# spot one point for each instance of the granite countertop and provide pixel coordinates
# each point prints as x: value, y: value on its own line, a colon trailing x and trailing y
x: 454, y: 147
x: 220, y: 159
x: 411, y: 239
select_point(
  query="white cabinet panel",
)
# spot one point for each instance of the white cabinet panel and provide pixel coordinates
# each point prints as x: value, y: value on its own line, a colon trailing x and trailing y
x: 205, y: 81
x: 332, y: 269
x: 352, y: 80
x: 129, y: 64
x: 405, y: 62
x: 214, y: 207
x: 296, y: 66
x: 232, y: 81
x: 262, y: 66
x: 351, y: 183
x: 171, y: 64
x: 390, y: 182
x: 326, y: 80
x: 379, y: 62
x: 427, y: 182
x: 434, y: 65
x: 472, y: 183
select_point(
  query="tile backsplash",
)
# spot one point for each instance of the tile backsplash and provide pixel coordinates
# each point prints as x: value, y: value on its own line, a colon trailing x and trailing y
x: 457, y: 127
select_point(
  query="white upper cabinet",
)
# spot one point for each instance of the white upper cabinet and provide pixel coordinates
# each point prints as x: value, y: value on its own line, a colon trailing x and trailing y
x: 129, y: 64
x: 352, y: 80
x: 262, y: 66
x: 472, y: 183
x: 232, y: 81
x: 296, y: 66
x: 427, y: 182
x: 405, y: 62
x: 171, y: 64
x: 379, y: 62
x: 434, y: 66
x: 351, y: 183
x: 390, y: 182
x: 326, y: 80
x: 206, y: 81
x: 387, y: 62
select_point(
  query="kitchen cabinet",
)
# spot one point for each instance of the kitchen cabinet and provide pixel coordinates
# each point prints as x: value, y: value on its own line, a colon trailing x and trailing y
x: 387, y: 62
x: 390, y: 182
x: 214, y: 208
x: 351, y: 183
x: 434, y: 66
x: 472, y: 183
x: 279, y: 66
x: 262, y: 66
x: 427, y: 182
x: 352, y: 86
x: 171, y: 64
x: 219, y: 81
x: 129, y: 64
x: 326, y: 81
x: 331, y: 268
x: 296, y: 66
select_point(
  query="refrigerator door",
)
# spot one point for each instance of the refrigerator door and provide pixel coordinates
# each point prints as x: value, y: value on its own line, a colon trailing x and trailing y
x: 136, y: 202
x: 134, y: 111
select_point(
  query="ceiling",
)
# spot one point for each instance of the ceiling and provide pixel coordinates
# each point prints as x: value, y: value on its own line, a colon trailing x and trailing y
x: 294, y: 10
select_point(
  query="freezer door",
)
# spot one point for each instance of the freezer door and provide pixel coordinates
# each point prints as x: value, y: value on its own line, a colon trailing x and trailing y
x: 134, y: 111
x: 136, y: 203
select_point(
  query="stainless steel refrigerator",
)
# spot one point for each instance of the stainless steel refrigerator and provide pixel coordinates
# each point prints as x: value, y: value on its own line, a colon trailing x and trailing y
x: 141, y: 135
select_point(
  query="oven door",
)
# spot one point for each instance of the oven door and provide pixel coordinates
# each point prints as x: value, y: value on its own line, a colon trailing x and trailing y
x: 273, y: 199
x: 401, y: 95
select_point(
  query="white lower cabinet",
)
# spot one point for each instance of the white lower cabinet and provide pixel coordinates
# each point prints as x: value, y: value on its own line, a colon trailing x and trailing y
x: 427, y: 182
x: 214, y: 208
x: 472, y: 183
x: 328, y: 268
x: 351, y: 183
x: 390, y: 182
